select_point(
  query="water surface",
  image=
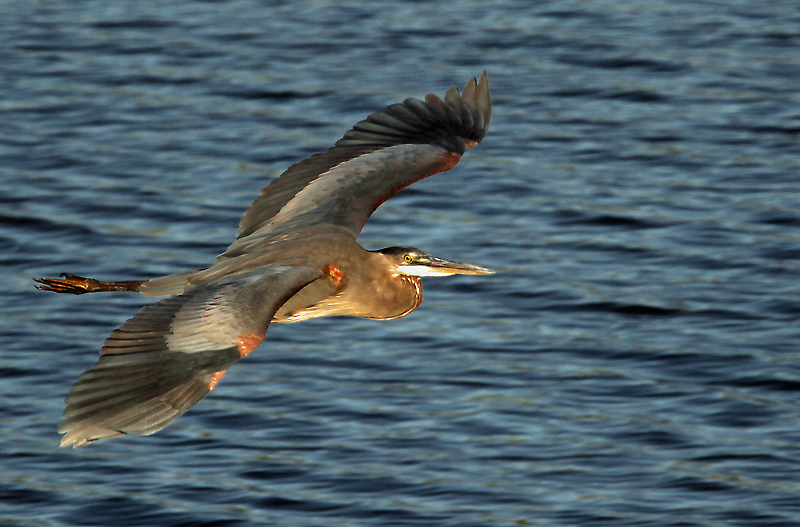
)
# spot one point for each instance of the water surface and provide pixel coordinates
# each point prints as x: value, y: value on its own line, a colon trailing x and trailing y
x: 633, y: 362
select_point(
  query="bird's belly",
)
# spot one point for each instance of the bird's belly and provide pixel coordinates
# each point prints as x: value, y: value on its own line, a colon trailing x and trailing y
x: 298, y: 315
x: 338, y: 305
x: 373, y: 299
x: 327, y: 307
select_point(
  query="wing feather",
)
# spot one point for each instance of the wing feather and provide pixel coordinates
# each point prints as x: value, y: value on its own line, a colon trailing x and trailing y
x: 452, y: 126
x: 168, y: 356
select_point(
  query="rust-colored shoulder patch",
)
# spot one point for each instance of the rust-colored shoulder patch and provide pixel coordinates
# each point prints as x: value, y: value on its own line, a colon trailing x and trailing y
x: 248, y: 343
x: 334, y: 273
x: 451, y: 160
x: 214, y: 378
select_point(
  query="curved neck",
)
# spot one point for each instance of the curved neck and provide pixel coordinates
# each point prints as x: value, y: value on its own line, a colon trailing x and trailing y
x: 412, y: 286
x: 386, y: 294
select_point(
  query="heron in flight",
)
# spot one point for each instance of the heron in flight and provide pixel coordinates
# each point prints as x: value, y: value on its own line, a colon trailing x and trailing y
x: 295, y: 257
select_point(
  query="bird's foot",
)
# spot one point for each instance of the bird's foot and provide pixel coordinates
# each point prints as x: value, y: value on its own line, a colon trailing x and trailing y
x: 68, y: 283
x: 78, y: 285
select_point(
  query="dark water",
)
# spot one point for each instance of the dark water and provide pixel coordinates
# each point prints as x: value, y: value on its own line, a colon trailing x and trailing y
x: 634, y: 361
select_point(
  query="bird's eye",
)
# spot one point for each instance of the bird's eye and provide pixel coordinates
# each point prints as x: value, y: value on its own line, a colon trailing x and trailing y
x: 408, y: 258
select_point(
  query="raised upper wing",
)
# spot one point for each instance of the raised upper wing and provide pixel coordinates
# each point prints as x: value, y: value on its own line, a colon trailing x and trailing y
x: 169, y: 355
x: 389, y: 150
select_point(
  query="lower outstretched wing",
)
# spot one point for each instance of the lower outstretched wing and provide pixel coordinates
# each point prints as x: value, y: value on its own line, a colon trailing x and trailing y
x: 171, y: 354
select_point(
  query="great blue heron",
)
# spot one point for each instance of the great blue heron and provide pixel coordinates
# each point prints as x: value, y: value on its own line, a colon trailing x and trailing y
x: 295, y: 258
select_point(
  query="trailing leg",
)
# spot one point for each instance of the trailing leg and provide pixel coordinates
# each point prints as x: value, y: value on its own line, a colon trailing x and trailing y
x: 78, y: 285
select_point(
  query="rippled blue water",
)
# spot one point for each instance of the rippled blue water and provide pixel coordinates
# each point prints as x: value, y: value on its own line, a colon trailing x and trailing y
x: 632, y: 363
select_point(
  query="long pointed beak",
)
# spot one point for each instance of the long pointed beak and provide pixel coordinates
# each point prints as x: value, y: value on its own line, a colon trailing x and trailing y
x: 441, y: 267
x: 440, y: 264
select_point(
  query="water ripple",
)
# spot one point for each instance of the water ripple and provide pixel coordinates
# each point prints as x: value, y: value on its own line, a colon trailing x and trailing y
x: 631, y: 363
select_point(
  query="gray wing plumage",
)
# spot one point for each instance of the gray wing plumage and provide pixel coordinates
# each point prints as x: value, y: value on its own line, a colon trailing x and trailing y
x: 389, y: 150
x: 171, y: 354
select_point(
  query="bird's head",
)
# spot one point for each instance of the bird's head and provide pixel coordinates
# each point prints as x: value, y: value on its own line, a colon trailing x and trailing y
x: 409, y: 261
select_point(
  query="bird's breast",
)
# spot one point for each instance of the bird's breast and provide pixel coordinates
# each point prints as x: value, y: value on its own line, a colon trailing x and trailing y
x: 383, y: 298
x: 393, y: 298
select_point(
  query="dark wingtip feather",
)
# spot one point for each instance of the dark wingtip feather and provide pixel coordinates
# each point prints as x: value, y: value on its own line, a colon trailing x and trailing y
x: 448, y: 123
x: 483, y: 100
x: 82, y: 436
